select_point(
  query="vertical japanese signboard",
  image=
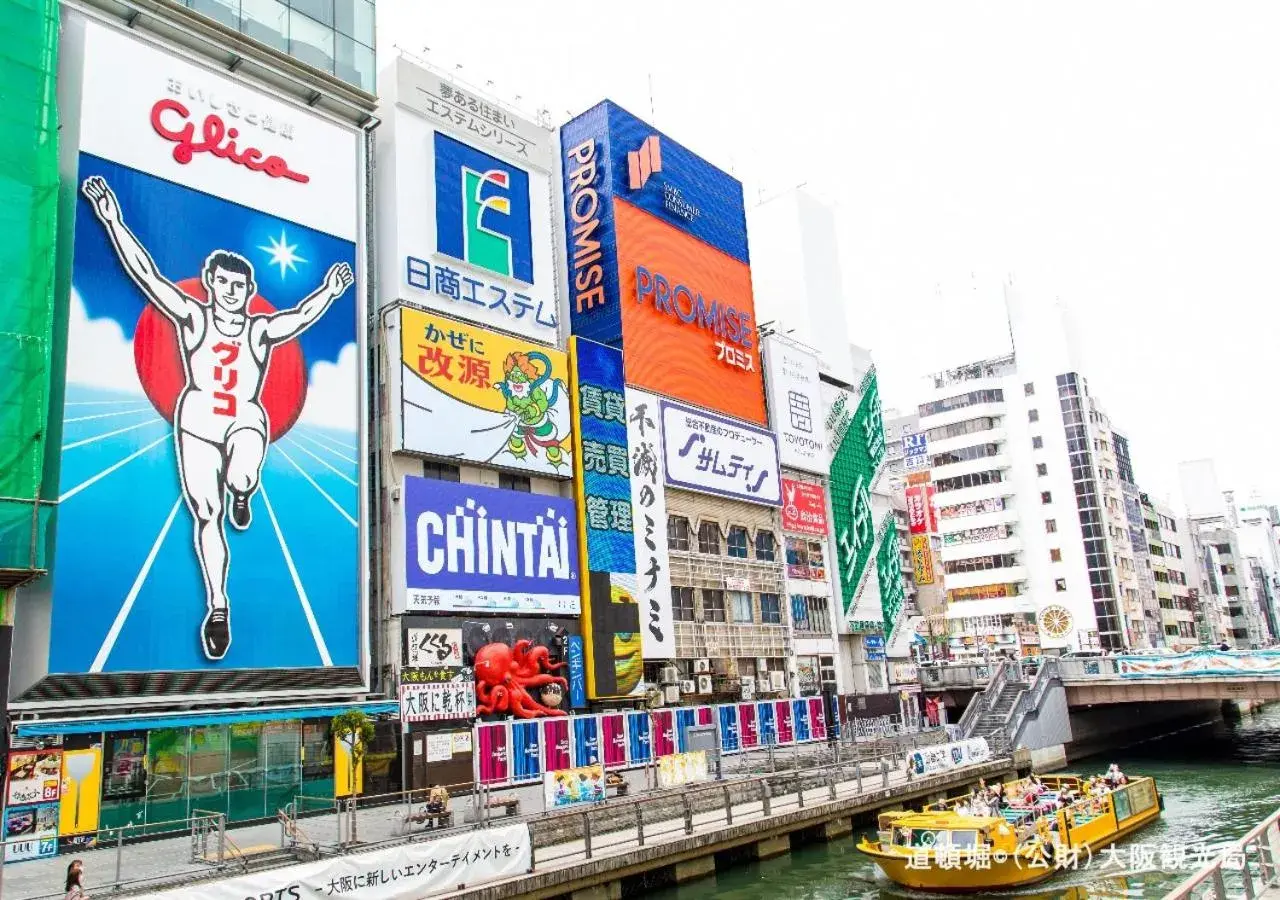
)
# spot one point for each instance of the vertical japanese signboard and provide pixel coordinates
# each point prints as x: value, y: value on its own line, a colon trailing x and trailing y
x: 918, y: 509
x: 471, y: 394
x: 611, y: 620
x: 889, y: 576
x: 795, y: 403
x: 922, y: 559
x: 649, y: 504
x: 855, y: 434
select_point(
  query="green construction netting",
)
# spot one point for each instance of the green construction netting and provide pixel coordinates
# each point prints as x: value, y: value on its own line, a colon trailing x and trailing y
x: 28, y: 240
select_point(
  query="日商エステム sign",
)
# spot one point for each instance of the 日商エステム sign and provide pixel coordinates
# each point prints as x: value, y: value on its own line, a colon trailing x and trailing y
x: 467, y: 226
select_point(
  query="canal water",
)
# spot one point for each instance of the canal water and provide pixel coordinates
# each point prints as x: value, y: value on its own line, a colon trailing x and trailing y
x: 1218, y: 781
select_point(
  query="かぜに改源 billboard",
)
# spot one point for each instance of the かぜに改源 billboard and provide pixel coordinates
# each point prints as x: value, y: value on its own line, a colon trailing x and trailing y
x: 209, y: 512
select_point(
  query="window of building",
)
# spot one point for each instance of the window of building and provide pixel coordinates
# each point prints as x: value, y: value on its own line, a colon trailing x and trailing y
x: 1042, y: 469
x: 712, y: 604
x: 677, y: 533
x: 1055, y: 555
x: 709, y: 538
x: 961, y: 401
x: 1050, y: 526
x: 1046, y: 496
x: 1029, y: 389
x: 682, y: 604
x: 766, y: 546
x: 441, y: 471
x: 957, y: 429
x: 973, y: 479
x: 810, y: 614
x: 514, y: 483
x: 1033, y: 415
x: 770, y: 609
x: 740, y: 603
x: 980, y: 563
x: 1060, y: 584
x: 964, y: 454
x: 1037, y: 442
x: 737, y: 542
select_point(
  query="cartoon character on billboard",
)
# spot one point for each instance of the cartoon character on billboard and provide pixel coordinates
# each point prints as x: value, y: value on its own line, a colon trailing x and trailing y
x: 527, y: 400
x: 221, y: 427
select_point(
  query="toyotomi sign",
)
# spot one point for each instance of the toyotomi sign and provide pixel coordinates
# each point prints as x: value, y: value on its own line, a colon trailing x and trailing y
x: 715, y: 455
x: 795, y: 405
x: 468, y: 221
x: 213, y: 411
x: 469, y: 547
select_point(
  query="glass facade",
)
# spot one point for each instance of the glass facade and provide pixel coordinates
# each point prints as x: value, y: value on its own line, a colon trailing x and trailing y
x: 245, y: 770
x: 335, y: 36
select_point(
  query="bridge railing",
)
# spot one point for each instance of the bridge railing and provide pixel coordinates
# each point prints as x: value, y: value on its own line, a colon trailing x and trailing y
x: 984, y: 700
x: 1245, y: 869
x: 1030, y: 700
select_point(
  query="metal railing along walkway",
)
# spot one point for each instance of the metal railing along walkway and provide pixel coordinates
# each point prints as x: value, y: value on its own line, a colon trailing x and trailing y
x: 1249, y: 868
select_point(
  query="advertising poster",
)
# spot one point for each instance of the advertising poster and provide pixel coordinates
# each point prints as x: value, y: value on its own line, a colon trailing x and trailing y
x: 514, y: 667
x: 917, y: 510
x: 210, y: 478
x: 612, y: 631
x: 433, y: 647
x: 922, y: 559
x: 915, y: 453
x: 649, y: 505
x: 475, y: 548
x: 807, y: 561
x: 714, y: 455
x: 573, y: 787
x: 81, y: 788
x: 855, y: 434
x: 804, y: 507
x: 407, y: 872
x: 30, y: 832
x: 677, y: 769
x: 474, y: 395
x: 431, y: 695
x: 467, y: 224
x: 34, y: 776
x: 795, y: 404
x: 439, y: 747
x: 658, y: 262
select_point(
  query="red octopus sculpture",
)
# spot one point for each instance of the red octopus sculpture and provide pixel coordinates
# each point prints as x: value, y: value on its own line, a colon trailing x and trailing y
x: 504, y: 676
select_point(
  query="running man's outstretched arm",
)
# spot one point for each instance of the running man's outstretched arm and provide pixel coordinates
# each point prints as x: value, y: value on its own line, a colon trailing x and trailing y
x: 288, y: 324
x: 133, y: 256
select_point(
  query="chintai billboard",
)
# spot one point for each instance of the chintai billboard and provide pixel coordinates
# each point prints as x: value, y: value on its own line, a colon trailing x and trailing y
x: 209, y: 512
x: 469, y: 547
x: 658, y: 263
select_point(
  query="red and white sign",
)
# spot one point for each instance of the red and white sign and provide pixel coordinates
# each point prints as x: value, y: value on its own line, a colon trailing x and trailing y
x: 804, y: 507
x: 917, y: 510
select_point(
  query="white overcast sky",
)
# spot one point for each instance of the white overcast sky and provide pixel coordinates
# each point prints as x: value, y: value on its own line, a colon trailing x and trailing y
x: 1123, y: 157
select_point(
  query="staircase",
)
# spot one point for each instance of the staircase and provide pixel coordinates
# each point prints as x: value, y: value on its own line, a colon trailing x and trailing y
x: 994, y: 715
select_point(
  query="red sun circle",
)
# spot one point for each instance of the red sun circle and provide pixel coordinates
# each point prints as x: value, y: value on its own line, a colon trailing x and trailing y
x: 163, y: 376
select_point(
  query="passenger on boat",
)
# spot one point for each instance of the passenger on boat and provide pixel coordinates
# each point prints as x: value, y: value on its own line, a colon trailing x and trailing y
x: 1115, y: 777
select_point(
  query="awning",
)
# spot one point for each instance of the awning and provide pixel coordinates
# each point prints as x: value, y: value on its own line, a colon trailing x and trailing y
x: 51, y: 727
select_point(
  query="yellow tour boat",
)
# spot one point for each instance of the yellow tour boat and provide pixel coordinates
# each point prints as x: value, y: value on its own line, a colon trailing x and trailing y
x: 950, y: 848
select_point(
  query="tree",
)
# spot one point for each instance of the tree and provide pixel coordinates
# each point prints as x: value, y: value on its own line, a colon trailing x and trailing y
x: 355, y: 729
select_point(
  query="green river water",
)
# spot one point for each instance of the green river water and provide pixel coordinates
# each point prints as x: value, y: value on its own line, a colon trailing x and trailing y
x: 1218, y: 781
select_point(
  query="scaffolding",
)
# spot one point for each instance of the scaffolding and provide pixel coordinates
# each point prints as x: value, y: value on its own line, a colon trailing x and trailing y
x: 28, y: 226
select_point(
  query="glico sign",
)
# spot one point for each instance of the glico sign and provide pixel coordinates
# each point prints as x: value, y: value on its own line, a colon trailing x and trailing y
x: 658, y: 262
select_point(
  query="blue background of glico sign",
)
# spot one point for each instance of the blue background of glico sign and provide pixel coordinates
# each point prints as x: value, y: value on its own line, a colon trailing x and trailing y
x: 721, y: 222
x: 442, y: 497
x: 608, y: 550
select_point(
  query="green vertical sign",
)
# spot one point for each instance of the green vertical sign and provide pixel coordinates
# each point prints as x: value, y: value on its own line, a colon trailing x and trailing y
x: 855, y: 433
x: 889, y: 573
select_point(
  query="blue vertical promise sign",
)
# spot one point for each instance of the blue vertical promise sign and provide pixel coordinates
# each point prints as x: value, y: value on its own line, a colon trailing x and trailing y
x: 611, y: 616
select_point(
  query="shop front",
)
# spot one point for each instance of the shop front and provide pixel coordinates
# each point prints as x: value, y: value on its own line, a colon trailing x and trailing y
x: 154, y: 773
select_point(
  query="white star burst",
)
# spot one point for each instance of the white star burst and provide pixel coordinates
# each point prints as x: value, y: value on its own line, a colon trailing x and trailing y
x: 283, y: 254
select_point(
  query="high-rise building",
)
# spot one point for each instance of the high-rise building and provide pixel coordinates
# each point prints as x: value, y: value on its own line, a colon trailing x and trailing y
x: 1019, y: 463
x: 1169, y: 557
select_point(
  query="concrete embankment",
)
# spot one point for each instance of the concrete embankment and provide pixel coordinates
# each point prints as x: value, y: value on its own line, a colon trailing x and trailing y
x: 602, y: 852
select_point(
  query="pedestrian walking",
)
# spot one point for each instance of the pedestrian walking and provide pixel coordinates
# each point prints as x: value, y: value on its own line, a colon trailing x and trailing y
x: 75, y: 881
